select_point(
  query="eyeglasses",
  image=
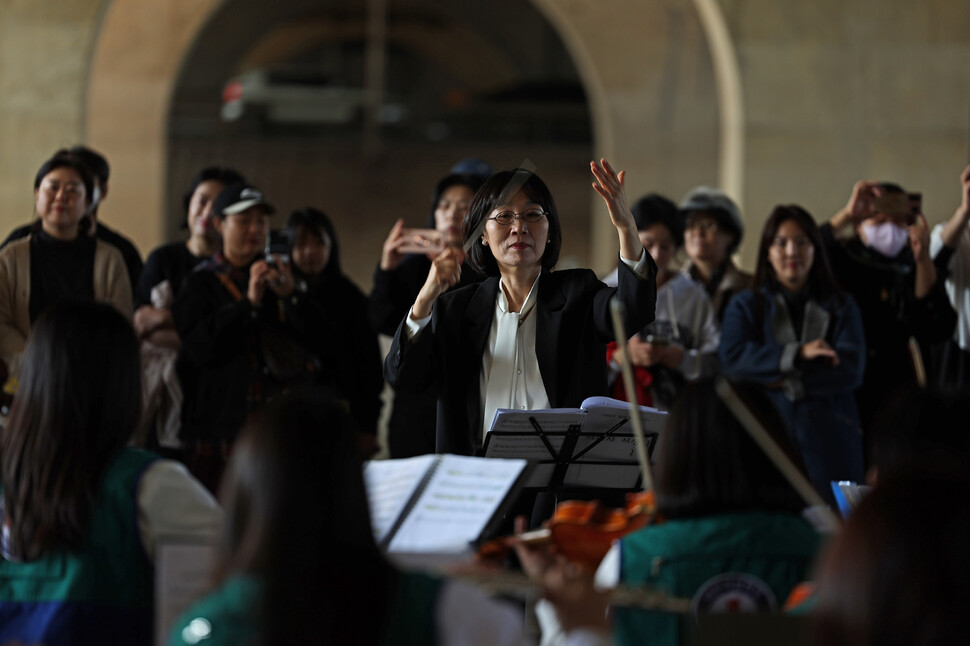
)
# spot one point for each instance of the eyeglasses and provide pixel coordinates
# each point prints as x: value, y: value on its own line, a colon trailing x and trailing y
x: 505, y: 218
x: 71, y: 189
x: 702, y: 226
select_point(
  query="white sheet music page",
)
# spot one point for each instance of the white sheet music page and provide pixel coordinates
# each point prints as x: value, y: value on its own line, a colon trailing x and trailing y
x: 457, y: 504
x: 390, y: 484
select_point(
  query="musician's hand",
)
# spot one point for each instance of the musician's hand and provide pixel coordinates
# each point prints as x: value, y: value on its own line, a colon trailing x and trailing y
x: 535, y: 559
x: 818, y: 349
x: 578, y: 603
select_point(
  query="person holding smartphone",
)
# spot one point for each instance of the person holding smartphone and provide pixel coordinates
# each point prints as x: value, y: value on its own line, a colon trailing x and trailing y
x: 397, y: 281
x: 247, y: 334
x: 680, y: 345
x: 885, y: 265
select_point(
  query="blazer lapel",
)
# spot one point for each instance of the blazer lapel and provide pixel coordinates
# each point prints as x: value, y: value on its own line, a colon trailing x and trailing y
x: 550, y: 302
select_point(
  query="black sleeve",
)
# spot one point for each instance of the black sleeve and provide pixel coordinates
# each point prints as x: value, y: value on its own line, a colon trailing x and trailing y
x: 394, y: 292
x: 152, y: 274
x: 212, y: 325
x: 933, y: 317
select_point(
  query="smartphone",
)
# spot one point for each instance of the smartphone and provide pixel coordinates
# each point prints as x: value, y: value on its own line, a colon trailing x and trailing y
x: 277, y: 245
x: 422, y: 241
x: 916, y: 204
x: 656, y: 340
x: 898, y: 206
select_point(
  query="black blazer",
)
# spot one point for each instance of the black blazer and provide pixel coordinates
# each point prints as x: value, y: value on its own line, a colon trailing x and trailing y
x: 573, y: 326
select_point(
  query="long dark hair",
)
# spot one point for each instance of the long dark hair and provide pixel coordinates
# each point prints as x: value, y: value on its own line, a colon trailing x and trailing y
x: 76, y: 407
x: 315, y: 222
x: 821, y: 282
x: 496, y: 191
x: 710, y: 465
x: 297, y: 519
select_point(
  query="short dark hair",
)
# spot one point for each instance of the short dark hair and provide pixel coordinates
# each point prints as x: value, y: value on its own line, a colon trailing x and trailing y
x: 64, y: 159
x: 93, y: 160
x: 908, y: 534
x: 77, y: 405
x: 709, y: 464
x: 316, y: 222
x: 821, y: 281
x: 302, y: 455
x: 654, y: 208
x: 495, y: 192
x: 226, y: 176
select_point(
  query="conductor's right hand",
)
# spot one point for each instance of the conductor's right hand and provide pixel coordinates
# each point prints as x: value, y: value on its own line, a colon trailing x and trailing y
x: 444, y: 274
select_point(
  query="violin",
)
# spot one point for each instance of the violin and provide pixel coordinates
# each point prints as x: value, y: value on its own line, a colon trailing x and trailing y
x: 582, y: 531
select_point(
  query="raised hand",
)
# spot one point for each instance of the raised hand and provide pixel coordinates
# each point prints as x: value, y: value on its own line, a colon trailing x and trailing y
x: 609, y: 184
x: 444, y: 274
x: 390, y: 256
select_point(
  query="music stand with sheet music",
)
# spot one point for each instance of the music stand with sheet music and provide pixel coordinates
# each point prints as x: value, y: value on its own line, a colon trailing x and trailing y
x: 571, y: 448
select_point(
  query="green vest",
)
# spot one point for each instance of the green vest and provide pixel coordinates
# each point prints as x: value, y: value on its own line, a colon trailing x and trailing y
x: 227, y: 616
x: 101, y: 594
x: 766, y: 554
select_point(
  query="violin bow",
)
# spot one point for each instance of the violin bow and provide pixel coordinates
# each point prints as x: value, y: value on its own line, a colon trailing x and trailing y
x: 619, y: 330
x: 771, y: 449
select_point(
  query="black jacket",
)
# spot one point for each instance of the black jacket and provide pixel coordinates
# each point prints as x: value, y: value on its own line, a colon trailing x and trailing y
x: 573, y: 326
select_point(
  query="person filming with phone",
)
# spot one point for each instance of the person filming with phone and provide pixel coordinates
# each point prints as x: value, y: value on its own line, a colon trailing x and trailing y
x: 885, y: 265
x: 247, y: 333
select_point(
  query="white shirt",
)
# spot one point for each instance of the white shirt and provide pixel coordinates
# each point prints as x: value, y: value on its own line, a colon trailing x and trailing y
x: 518, y: 377
x: 958, y: 283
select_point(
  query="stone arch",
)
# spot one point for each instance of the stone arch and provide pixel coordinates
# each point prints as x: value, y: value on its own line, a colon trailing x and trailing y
x: 140, y: 48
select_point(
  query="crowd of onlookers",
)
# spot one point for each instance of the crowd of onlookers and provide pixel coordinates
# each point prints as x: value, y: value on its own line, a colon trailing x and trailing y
x: 850, y: 341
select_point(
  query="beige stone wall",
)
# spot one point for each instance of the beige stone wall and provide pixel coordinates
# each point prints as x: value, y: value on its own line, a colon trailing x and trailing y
x: 832, y: 91
x: 44, y: 52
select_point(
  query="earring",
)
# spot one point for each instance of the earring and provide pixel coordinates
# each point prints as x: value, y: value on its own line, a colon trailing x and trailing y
x: 484, y: 241
x: 549, y: 241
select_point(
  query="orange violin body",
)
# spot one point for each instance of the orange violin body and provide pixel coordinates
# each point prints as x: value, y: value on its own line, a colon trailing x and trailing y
x: 583, y: 531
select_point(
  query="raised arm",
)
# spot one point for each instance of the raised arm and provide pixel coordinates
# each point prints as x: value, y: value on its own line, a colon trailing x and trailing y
x: 958, y: 221
x: 609, y: 184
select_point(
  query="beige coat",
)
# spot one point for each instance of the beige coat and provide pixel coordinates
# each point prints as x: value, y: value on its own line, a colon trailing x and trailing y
x: 111, y: 285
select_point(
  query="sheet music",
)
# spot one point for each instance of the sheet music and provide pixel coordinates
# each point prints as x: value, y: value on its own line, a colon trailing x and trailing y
x: 551, y: 420
x: 602, y: 413
x: 457, y: 503
x: 390, y: 484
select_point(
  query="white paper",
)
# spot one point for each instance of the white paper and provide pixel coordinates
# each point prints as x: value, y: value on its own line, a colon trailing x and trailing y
x: 390, y: 484
x: 456, y: 505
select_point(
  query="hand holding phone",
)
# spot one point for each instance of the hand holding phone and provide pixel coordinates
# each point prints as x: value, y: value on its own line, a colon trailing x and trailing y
x: 429, y: 241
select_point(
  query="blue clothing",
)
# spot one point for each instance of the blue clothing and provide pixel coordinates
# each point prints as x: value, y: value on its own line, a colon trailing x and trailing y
x: 101, y: 594
x: 759, y: 344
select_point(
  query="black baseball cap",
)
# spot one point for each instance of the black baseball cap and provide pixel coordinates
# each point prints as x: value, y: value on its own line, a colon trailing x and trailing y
x: 239, y: 197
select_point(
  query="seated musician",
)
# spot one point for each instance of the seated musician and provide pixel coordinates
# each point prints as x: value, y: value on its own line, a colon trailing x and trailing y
x: 731, y: 535
x: 286, y: 576
x: 526, y: 337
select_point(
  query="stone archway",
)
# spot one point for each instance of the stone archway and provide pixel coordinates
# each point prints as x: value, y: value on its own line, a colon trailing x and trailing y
x: 140, y: 49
